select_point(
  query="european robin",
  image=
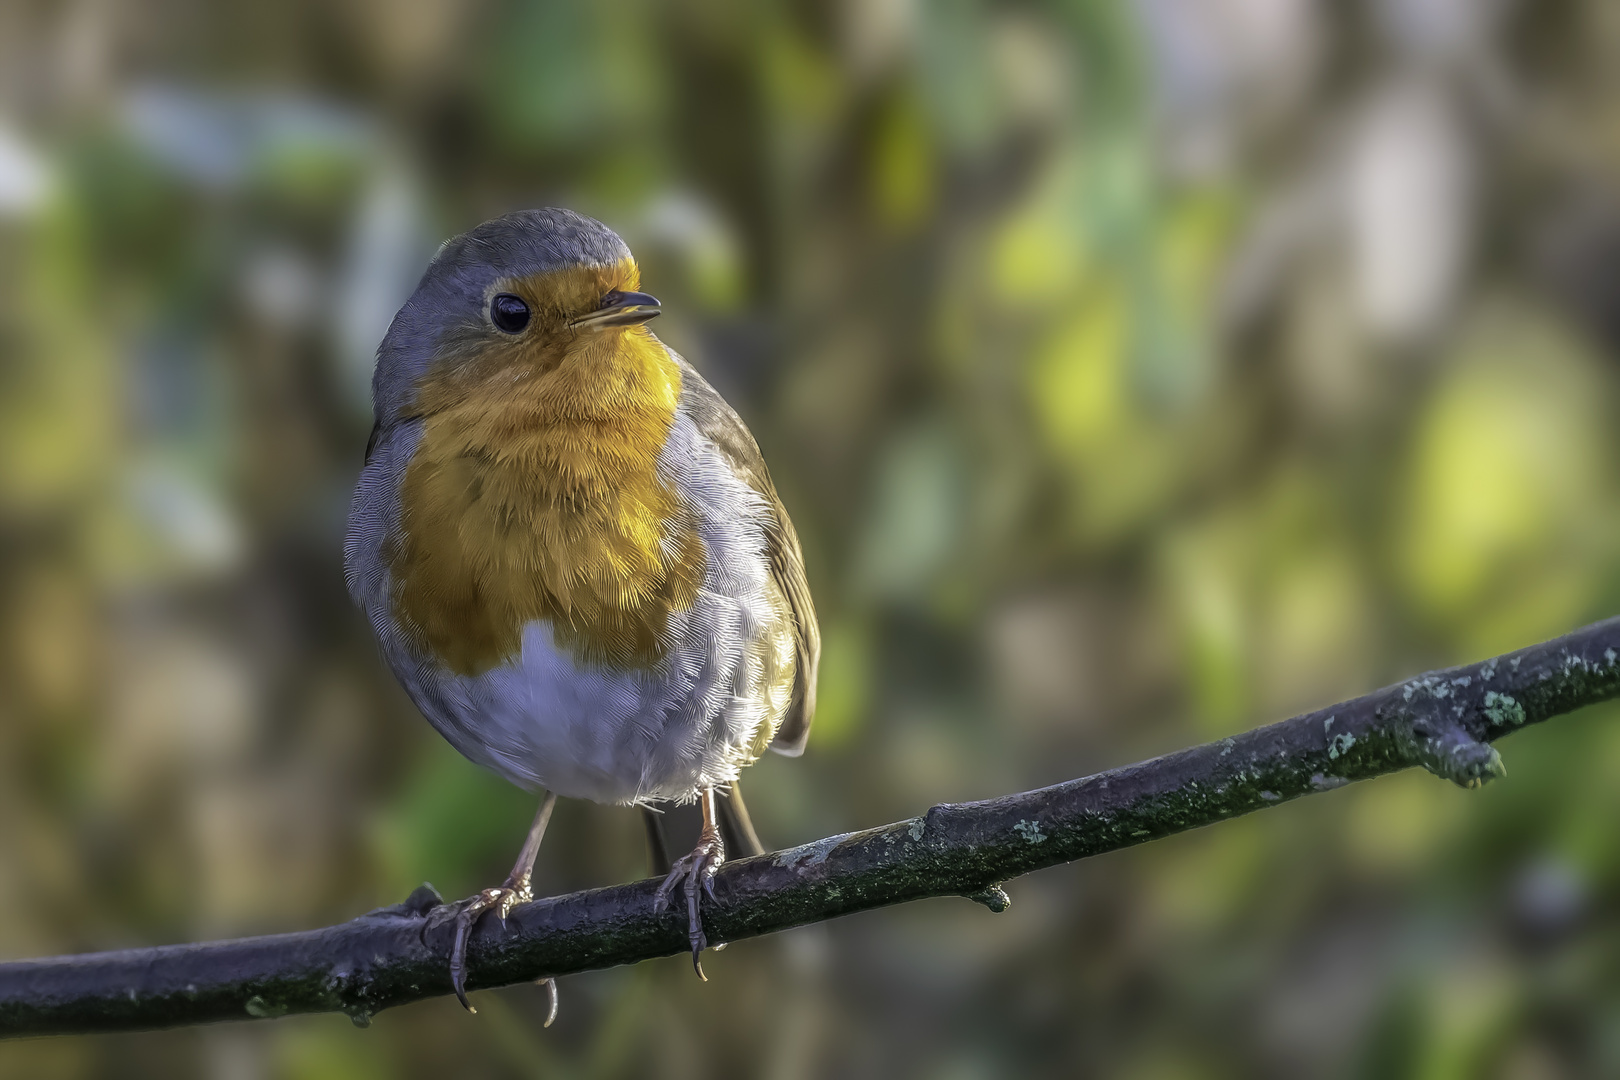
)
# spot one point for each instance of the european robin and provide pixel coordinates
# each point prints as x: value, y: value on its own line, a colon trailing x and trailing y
x: 571, y: 551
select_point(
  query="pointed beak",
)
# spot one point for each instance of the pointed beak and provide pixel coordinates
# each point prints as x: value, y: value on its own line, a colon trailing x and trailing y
x: 619, y: 309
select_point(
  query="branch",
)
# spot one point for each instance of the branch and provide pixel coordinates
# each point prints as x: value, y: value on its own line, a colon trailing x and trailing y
x: 1443, y: 721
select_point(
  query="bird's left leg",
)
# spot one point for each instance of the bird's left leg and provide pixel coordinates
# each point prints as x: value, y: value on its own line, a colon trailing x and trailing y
x: 694, y: 872
x: 514, y: 891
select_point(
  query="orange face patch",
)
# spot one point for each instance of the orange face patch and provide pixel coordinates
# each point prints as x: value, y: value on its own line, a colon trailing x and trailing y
x: 534, y: 492
x: 558, y: 296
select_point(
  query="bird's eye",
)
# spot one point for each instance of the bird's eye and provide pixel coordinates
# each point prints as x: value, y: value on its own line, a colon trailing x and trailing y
x: 509, y: 313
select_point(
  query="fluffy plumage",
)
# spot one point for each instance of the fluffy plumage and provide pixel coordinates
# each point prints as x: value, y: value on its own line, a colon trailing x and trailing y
x: 567, y: 543
x: 534, y: 493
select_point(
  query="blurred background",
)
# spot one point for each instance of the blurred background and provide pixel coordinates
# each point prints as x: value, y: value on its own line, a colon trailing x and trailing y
x: 1136, y: 373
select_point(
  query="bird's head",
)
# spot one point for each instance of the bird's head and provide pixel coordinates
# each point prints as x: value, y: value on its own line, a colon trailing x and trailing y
x: 546, y: 298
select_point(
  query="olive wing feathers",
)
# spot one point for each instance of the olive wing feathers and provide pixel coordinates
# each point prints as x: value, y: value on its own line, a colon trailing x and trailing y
x: 724, y: 428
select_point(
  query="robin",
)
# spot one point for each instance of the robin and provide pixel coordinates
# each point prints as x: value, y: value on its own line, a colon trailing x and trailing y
x: 571, y: 551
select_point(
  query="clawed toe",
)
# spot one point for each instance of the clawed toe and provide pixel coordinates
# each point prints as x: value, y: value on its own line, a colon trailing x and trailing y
x: 551, y: 1001
x: 469, y: 911
x: 694, y: 874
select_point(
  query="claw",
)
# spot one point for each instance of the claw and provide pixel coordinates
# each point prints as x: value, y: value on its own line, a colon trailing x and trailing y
x: 551, y: 1000
x: 502, y: 900
x: 458, y: 961
x: 694, y: 874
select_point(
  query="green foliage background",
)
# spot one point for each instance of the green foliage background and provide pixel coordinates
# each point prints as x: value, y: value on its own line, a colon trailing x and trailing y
x: 1136, y: 373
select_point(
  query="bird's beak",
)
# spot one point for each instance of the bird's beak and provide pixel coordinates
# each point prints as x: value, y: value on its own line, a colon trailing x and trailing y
x: 619, y: 309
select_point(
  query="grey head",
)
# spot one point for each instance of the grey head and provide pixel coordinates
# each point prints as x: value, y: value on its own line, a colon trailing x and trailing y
x: 451, y: 307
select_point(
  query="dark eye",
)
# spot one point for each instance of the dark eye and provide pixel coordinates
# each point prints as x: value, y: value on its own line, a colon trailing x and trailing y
x: 509, y: 312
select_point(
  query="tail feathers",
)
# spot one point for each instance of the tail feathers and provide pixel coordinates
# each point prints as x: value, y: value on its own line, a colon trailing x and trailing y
x: 657, y: 842
x: 736, y: 827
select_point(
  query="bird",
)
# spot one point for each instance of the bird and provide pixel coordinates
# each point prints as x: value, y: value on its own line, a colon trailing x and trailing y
x: 571, y: 552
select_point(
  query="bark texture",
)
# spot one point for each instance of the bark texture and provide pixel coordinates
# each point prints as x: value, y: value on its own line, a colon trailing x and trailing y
x: 1443, y: 721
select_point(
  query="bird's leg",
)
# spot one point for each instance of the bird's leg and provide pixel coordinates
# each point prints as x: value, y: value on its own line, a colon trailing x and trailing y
x: 694, y: 872
x: 513, y: 892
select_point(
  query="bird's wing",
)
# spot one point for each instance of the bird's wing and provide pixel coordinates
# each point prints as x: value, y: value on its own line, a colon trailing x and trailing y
x: 721, y: 426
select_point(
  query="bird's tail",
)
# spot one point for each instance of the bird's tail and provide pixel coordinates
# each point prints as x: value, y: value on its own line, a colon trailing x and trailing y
x: 736, y: 827
x: 657, y: 842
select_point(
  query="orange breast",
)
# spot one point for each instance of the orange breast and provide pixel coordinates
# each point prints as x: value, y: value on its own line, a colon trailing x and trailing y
x: 534, y: 494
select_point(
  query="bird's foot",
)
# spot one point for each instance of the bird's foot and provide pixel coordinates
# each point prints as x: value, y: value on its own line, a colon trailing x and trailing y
x: 694, y: 874
x: 501, y: 900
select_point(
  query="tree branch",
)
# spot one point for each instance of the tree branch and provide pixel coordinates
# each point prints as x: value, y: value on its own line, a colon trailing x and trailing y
x: 1443, y: 721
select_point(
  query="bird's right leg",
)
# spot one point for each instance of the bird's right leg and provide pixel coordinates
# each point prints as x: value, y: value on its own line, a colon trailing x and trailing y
x: 514, y: 891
